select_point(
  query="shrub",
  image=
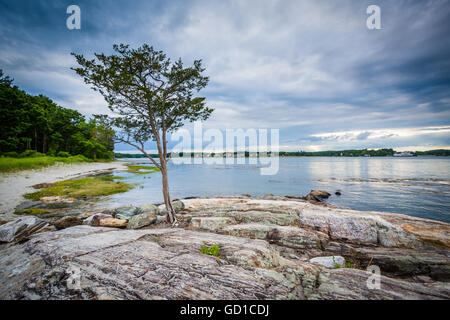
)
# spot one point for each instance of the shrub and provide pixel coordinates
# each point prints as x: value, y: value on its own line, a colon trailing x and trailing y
x: 63, y: 154
x: 30, y: 154
x: 11, y: 154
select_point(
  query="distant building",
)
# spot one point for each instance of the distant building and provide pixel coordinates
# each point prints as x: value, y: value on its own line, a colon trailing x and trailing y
x: 403, y: 154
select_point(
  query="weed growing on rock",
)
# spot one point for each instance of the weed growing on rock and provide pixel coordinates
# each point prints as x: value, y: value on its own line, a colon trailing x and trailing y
x: 213, y: 250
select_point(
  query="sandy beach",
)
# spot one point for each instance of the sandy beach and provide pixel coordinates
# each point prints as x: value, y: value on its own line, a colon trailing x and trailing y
x: 14, y: 185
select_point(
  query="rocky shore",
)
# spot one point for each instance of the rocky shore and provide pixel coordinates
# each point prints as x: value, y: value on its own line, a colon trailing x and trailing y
x: 14, y: 185
x: 278, y: 248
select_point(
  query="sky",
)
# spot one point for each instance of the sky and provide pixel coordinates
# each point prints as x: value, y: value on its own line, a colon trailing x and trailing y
x: 311, y: 69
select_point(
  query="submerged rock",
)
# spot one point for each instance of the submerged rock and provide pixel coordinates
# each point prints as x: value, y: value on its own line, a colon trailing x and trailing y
x: 21, y: 229
x: 317, y: 195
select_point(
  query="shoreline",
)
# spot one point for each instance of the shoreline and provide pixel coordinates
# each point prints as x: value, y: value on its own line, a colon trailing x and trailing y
x: 14, y: 185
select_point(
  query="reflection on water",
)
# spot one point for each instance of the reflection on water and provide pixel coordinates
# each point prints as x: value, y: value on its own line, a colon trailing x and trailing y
x: 417, y: 186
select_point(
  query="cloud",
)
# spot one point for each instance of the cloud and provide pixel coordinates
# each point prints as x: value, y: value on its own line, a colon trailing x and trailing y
x: 308, y: 68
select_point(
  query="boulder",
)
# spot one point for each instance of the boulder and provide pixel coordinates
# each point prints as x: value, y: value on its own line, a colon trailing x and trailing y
x: 331, y: 262
x: 125, y: 213
x: 176, y: 205
x: 94, y: 219
x: 149, y: 208
x: 141, y: 220
x: 320, y: 194
x: 316, y: 195
x: 21, y: 229
x: 112, y: 223
x: 67, y: 222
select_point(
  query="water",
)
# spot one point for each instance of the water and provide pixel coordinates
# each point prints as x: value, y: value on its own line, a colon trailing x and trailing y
x: 418, y: 186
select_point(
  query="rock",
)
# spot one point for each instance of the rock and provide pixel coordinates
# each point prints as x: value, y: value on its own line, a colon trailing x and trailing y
x: 28, y: 204
x: 56, y: 199
x: 94, y: 219
x: 210, y: 223
x: 112, y: 223
x: 167, y: 264
x: 316, y: 195
x: 141, y: 220
x: 338, y: 193
x: 176, y: 205
x: 59, y: 204
x: 265, y: 250
x: 67, y: 222
x: 291, y: 237
x: 161, y: 219
x: 21, y: 229
x: 125, y: 213
x: 149, y: 208
x: 329, y: 262
x: 320, y: 194
x: 43, y: 185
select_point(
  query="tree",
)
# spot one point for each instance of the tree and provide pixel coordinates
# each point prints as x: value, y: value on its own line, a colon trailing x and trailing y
x: 150, y: 95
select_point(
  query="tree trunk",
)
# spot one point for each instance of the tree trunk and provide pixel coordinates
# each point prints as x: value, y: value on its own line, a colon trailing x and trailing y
x: 44, y: 143
x: 170, y: 212
x: 35, y: 139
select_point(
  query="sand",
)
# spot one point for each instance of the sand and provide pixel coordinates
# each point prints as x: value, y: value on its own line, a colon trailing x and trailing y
x: 14, y: 185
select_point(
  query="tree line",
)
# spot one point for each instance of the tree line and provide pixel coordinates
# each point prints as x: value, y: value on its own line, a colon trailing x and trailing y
x: 35, y: 124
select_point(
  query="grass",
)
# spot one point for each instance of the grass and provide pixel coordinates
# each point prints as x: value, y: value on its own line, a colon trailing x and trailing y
x: 30, y: 212
x: 142, y: 169
x: 8, y: 164
x: 213, y: 250
x: 84, y: 187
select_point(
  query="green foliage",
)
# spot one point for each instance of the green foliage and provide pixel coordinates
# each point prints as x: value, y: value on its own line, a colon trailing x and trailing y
x: 336, y: 265
x: 84, y: 187
x: 142, y: 169
x: 63, y: 154
x: 213, y: 250
x: 349, y: 264
x: 33, y: 124
x: 341, y: 153
x: 8, y: 164
x: 437, y: 152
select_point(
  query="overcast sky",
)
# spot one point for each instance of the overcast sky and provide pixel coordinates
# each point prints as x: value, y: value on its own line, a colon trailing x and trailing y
x: 310, y: 68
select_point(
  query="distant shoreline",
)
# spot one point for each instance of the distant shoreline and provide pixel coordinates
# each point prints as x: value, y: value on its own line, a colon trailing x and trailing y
x: 338, y: 153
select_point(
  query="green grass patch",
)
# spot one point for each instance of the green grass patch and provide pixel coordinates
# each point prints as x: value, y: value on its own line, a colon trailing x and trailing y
x: 84, y: 187
x: 142, y: 169
x: 213, y: 250
x: 9, y: 164
x: 30, y: 212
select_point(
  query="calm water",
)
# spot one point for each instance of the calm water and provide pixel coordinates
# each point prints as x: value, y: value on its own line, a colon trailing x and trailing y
x: 418, y: 186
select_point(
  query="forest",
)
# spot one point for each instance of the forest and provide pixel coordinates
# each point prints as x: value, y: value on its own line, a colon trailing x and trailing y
x: 35, y: 125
